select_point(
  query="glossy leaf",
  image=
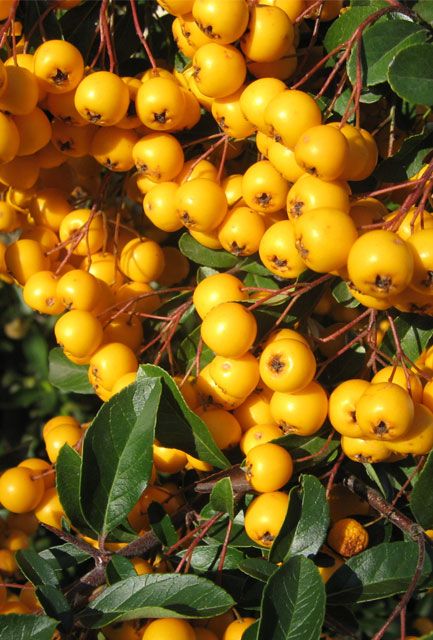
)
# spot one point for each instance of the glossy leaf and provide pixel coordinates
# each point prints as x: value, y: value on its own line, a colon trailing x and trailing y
x: 380, y: 44
x: 156, y: 596
x: 35, y: 568
x: 306, y: 524
x: 64, y: 556
x: 117, y: 454
x: 293, y: 606
x: 421, y: 497
x: 409, y: 158
x: 222, y: 498
x: 411, y: 74
x: 119, y: 568
x: 66, y: 375
x: 414, y: 332
x: 258, y: 568
x: 177, y: 425
x: 341, y: 294
x: 23, y: 627
x: 161, y: 524
x: 379, y: 572
x: 68, y: 481
x: 206, y: 558
x: 187, y: 351
x: 204, y: 256
x: 55, y: 605
x: 342, y: 28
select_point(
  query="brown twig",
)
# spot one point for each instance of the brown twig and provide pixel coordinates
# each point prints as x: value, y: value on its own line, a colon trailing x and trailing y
x: 410, y: 528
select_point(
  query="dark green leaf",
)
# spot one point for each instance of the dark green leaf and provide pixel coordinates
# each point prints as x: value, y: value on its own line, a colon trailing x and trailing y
x: 206, y: 558
x: 342, y: 28
x: 379, y: 476
x: 379, y: 572
x: 304, y: 446
x: 342, y: 295
x: 179, y: 427
x: 222, y: 498
x: 35, y: 569
x: 293, y: 606
x: 252, y: 632
x: 119, y: 568
x: 414, y: 332
x: 311, y: 525
x: 79, y: 26
x: 68, y: 481
x: 161, y: 524
x: 254, y: 280
x: 411, y: 74
x: 55, y: 605
x: 380, y: 44
x: 117, y: 454
x: 66, y: 375
x: 24, y: 627
x: 409, y: 158
x: 238, y: 537
x: 257, y: 568
x: 64, y: 556
x: 187, y: 351
x: 252, y: 266
x: 421, y: 497
x: 204, y: 256
x: 156, y: 596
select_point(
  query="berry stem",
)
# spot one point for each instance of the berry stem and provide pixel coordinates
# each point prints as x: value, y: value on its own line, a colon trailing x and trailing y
x: 140, y: 34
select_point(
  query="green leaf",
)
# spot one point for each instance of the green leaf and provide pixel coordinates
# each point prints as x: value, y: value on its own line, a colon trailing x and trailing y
x: 254, y: 280
x: 293, y: 606
x: 156, y: 596
x: 204, y: 256
x: 380, y: 572
x: 414, y: 332
x: 257, y: 568
x: 380, y: 44
x: 304, y: 446
x: 68, y: 481
x: 238, y: 537
x: 119, y: 568
x: 421, y: 497
x: 342, y: 28
x: 341, y: 294
x: 66, y: 375
x: 187, y: 351
x: 117, y: 454
x: 179, y: 427
x: 35, y: 568
x: 424, y: 8
x: 222, y: 498
x: 304, y: 534
x: 55, y: 605
x: 409, y: 158
x: 23, y: 627
x: 64, y: 556
x: 253, y: 267
x: 161, y: 524
x: 206, y: 558
x: 411, y: 74
x: 252, y: 632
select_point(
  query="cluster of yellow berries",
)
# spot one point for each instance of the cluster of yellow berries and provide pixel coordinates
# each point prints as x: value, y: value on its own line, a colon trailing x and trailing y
x: 387, y: 418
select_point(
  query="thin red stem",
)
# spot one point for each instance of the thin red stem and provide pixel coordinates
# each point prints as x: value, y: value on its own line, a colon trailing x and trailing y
x: 140, y: 34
